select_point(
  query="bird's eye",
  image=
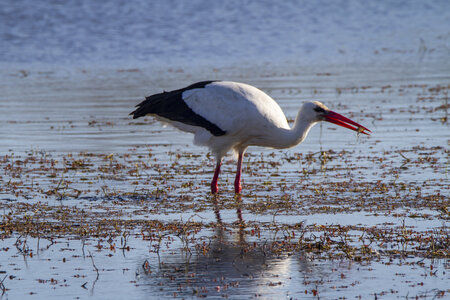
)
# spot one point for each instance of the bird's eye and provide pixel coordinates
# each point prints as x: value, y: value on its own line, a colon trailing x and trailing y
x: 319, y: 109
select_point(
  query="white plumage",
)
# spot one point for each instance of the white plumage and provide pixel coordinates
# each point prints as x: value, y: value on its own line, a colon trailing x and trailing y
x: 246, y: 113
x: 226, y: 116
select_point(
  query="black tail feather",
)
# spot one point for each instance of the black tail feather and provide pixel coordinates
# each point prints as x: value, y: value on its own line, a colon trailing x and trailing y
x: 170, y: 105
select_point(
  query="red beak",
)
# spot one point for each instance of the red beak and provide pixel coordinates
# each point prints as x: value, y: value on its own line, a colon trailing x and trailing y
x: 340, y: 120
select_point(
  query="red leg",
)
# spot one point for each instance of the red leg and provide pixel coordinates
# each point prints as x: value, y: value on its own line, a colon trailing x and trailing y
x: 237, y: 180
x: 214, y: 187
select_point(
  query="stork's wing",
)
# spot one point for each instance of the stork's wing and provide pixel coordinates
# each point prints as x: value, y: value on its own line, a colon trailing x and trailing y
x: 171, y: 106
x: 236, y: 107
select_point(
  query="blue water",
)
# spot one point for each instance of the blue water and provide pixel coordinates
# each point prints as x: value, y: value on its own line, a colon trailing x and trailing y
x: 183, y: 33
x: 45, y: 112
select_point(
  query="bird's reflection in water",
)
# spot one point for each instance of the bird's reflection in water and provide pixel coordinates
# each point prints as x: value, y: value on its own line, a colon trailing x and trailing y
x: 231, y: 267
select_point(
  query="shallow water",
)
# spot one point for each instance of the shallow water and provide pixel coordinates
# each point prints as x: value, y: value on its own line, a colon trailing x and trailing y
x: 161, y: 33
x: 84, y: 152
x: 63, y: 270
x: 338, y: 216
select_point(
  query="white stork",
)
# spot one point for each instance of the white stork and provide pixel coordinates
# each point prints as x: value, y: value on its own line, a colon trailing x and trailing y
x: 226, y: 116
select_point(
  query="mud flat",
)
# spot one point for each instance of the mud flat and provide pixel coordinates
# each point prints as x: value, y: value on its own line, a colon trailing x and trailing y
x: 97, y: 204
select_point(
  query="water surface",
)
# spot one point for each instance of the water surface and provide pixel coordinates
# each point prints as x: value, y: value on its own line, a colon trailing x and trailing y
x: 85, y: 188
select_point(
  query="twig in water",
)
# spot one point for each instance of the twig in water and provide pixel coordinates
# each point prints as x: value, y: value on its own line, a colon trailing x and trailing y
x: 405, y: 161
x: 2, y: 286
x: 404, y: 157
x: 93, y: 263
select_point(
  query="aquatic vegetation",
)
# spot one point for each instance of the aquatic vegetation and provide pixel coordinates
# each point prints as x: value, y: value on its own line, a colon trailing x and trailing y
x: 335, y: 215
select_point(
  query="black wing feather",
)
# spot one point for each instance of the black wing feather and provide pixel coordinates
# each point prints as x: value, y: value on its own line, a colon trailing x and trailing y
x: 170, y: 105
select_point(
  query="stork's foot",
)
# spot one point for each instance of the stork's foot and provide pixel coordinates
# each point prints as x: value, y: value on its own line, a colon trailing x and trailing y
x: 237, y: 180
x: 214, y: 188
x: 237, y: 187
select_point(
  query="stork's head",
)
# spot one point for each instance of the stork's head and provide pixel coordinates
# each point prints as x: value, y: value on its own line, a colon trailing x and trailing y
x: 319, y: 112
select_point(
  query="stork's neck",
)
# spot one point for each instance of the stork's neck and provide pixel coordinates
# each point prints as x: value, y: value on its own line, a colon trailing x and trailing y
x: 291, y: 137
